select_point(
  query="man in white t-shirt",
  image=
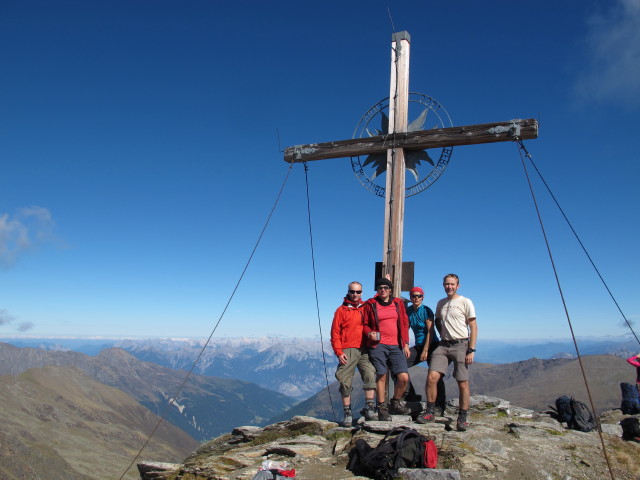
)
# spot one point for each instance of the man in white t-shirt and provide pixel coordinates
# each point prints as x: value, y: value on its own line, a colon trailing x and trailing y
x: 456, y: 321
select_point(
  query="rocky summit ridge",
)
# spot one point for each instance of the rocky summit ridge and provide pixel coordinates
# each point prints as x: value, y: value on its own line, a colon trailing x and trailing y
x: 504, y: 442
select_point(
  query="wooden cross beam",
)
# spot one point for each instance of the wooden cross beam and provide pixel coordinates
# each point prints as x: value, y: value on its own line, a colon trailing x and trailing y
x: 420, y: 140
x: 397, y: 141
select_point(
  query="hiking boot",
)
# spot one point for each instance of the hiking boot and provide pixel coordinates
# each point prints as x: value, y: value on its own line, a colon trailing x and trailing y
x: 462, y: 424
x: 426, y: 416
x: 348, y: 418
x: 383, y: 413
x: 399, y: 407
x: 369, y: 412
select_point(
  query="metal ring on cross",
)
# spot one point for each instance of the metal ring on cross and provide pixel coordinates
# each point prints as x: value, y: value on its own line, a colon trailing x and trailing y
x: 425, y: 111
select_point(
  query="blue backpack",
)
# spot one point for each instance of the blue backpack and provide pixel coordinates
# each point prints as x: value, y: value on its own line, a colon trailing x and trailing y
x: 630, y: 402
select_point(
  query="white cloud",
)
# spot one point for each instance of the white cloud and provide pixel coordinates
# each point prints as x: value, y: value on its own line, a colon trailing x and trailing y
x: 29, y: 227
x: 5, y: 318
x: 24, y: 326
x: 613, y: 55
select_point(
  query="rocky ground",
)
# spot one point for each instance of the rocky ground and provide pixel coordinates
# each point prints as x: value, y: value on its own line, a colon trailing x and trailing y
x: 505, y: 442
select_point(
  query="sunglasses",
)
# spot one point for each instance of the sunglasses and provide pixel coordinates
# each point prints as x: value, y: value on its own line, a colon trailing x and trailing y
x: 355, y: 291
x: 416, y: 295
x: 383, y: 287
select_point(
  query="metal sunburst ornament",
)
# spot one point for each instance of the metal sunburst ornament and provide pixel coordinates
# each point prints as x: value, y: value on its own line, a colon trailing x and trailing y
x: 428, y: 108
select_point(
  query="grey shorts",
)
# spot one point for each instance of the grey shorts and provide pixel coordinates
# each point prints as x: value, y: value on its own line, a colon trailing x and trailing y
x: 391, y: 356
x: 455, y: 353
x: 356, y: 357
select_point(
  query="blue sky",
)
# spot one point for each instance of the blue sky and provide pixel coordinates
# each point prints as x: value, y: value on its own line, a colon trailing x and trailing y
x: 140, y: 156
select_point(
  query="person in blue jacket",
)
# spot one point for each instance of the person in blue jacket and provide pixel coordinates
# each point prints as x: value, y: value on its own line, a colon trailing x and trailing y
x: 418, y: 314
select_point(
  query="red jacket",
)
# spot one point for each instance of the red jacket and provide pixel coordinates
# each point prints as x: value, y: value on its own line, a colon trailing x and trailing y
x: 371, y: 321
x: 346, y: 329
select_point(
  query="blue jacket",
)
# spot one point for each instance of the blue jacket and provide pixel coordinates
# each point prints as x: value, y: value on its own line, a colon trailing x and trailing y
x: 418, y: 323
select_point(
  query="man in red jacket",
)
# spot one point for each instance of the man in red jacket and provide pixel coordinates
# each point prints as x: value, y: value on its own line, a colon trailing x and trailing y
x: 386, y: 327
x: 347, y: 342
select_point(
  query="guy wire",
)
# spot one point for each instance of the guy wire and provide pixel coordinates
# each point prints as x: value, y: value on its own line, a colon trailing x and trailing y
x: 393, y: 27
x: 584, y: 249
x: 315, y: 287
x: 188, y: 375
x: 566, y: 311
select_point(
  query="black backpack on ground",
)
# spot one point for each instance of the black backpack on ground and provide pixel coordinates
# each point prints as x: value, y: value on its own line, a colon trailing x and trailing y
x: 356, y: 458
x: 630, y: 428
x: 402, y: 447
x: 575, y: 414
x: 630, y: 402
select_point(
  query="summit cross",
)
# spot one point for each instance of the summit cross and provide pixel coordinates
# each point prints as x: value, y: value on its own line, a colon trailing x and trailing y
x: 397, y: 141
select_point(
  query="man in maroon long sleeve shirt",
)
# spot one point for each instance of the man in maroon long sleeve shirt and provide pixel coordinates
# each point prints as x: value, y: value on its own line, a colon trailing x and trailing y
x: 386, y: 327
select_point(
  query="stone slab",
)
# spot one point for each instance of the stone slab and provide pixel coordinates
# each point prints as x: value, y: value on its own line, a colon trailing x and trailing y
x: 428, y: 474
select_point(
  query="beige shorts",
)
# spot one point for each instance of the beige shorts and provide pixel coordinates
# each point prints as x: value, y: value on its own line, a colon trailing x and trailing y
x: 455, y: 353
x: 356, y: 357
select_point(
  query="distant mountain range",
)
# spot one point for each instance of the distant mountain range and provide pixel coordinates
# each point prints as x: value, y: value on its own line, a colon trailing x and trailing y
x: 292, y: 367
x: 205, y: 408
x: 295, y: 367
x: 508, y: 351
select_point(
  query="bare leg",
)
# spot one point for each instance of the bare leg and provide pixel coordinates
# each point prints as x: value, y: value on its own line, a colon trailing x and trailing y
x: 463, y: 387
x: 432, y: 385
x: 369, y: 394
x: 401, y: 385
x: 381, y: 387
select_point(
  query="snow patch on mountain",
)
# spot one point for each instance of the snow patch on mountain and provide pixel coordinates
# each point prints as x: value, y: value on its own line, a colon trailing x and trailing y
x: 291, y: 366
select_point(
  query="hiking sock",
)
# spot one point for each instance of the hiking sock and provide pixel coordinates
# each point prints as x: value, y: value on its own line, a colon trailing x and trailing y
x: 369, y: 411
x: 348, y: 417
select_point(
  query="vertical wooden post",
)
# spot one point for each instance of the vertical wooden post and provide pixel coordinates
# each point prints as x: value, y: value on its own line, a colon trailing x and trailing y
x: 395, y: 186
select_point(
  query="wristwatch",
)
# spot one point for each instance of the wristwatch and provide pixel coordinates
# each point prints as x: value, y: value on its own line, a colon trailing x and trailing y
x: 471, y: 350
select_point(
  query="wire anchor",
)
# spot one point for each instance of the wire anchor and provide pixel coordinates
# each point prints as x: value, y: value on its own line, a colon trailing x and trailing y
x: 513, y: 129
